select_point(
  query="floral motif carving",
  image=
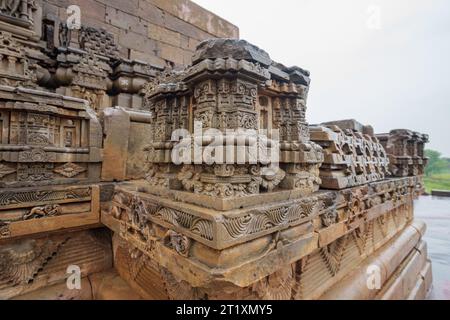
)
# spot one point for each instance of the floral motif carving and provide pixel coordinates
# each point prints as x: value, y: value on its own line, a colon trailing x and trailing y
x: 70, y: 170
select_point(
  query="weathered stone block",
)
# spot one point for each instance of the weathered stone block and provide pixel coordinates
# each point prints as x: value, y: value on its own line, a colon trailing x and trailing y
x: 126, y: 21
x: 152, y: 59
x: 163, y: 35
x: 171, y: 53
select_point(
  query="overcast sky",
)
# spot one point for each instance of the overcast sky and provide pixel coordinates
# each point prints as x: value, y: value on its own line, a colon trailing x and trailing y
x: 381, y: 62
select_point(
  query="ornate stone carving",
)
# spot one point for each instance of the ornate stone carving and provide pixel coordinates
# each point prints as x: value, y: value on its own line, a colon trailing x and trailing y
x: 8, y: 198
x: 20, y: 263
x: 22, y: 10
x: 142, y: 212
x: 69, y: 170
x: 352, y: 158
x: 277, y: 286
x: 11, y: 7
x: 89, y: 73
x: 258, y: 221
x: 332, y: 255
x: 197, y: 226
x: 35, y: 263
x: 329, y: 218
x: 35, y: 171
x: 4, y: 230
x: 235, y: 103
x: 178, y: 242
x: 50, y: 210
x: 45, y: 134
x: 98, y: 41
x: 6, y: 170
x: 15, y: 68
x: 247, y: 227
x: 371, y: 215
x: 36, y: 155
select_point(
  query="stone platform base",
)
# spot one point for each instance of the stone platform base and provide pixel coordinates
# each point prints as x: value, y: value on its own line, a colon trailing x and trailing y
x: 107, y: 285
x: 405, y: 273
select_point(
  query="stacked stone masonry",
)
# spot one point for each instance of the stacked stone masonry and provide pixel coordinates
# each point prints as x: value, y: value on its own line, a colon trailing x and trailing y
x: 100, y: 129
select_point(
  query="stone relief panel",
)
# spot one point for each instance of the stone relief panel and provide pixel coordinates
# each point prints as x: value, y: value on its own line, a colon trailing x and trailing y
x: 197, y: 229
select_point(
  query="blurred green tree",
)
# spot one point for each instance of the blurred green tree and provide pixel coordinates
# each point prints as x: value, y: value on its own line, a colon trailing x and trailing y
x: 436, y: 164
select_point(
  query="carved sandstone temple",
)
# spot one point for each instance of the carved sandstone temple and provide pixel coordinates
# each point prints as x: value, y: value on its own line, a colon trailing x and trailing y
x: 92, y: 121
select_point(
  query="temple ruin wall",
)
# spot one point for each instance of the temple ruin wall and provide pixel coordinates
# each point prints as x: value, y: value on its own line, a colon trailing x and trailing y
x: 159, y: 32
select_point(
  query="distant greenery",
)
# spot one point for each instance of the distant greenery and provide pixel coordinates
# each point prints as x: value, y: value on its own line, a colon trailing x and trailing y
x: 437, y: 173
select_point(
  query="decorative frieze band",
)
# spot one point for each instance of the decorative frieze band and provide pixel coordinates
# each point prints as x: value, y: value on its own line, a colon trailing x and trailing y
x: 224, y: 229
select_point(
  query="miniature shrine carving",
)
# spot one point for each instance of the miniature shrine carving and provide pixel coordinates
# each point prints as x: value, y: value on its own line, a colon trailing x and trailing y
x: 204, y: 181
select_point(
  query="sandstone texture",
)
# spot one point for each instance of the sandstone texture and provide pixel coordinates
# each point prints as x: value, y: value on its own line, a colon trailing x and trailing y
x: 150, y: 153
